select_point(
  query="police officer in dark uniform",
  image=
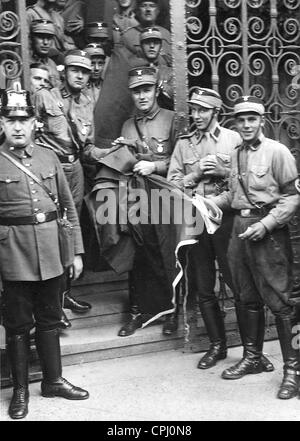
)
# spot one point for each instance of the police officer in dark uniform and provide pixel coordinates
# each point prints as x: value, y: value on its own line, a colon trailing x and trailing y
x: 153, y: 130
x: 263, y: 194
x: 30, y: 263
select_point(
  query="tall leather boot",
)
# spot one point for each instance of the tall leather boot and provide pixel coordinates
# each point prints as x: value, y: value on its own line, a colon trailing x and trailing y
x: 251, y: 361
x: 214, y: 323
x: 18, y: 352
x: 135, y: 320
x: 240, y: 309
x: 290, y: 383
x: 53, y: 384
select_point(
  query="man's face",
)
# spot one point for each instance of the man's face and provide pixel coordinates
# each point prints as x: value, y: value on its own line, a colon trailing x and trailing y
x: 125, y: 3
x: 97, y: 67
x: 151, y: 48
x: 18, y: 130
x: 249, y: 125
x: 144, y: 97
x: 42, y: 44
x: 202, y: 116
x: 39, y: 78
x: 148, y: 13
x: 77, y: 77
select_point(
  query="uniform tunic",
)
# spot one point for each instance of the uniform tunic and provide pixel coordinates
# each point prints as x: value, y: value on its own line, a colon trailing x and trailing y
x: 262, y: 270
x: 158, y: 136
x: 184, y: 163
x: 68, y: 130
x: 62, y: 42
x: 31, y: 252
x: 68, y: 123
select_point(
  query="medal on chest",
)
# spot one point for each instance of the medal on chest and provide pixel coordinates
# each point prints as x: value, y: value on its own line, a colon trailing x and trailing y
x: 84, y: 130
x: 160, y: 147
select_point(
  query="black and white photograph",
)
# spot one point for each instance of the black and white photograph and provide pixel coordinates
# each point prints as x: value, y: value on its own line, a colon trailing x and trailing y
x: 149, y: 213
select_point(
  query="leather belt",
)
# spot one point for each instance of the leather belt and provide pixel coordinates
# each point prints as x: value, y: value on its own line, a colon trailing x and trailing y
x: 37, y: 218
x: 259, y: 211
x: 68, y: 159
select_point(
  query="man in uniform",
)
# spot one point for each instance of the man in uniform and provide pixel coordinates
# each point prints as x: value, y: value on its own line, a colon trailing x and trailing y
x: 201, y: 164
x: 97, y: 32
x: 42, y: 34
x: 30, y: 264
x: 45, y: 9
x: 94, y: 85
x: 263, y: 195
x: 67, y: 115
x: 39, y: 77
x: 151, y: 43
x: 153, y: 130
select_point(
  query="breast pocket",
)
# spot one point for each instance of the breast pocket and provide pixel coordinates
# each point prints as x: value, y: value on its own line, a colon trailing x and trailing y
x: 56, y: 120
x: 190, y: 165
x: 10, y: 187
x: 49, y: 180
x: 258, y: 177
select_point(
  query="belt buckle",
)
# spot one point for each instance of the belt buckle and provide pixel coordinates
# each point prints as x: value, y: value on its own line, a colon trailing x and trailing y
x: 40, y: 218
x: 71, y: 158
x: 245, y: 212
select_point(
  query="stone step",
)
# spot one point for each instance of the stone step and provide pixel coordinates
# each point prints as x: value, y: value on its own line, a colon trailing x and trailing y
x: 108, y: 307
x: 100, y: 343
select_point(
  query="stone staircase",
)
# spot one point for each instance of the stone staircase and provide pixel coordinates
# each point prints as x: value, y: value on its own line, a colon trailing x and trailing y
x: 93, y: 335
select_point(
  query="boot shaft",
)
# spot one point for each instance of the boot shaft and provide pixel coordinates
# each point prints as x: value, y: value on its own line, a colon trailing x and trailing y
x: 48, y: 348
x: 214, y: 322
x: 290, y: 354
x: 18, y: 353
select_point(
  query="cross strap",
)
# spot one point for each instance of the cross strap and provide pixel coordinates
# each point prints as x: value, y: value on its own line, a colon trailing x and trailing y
x: 242, y: 182
x: 32, y: 176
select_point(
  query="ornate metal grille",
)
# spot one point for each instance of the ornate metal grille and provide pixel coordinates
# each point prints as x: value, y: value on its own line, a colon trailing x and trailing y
x: 13, y: 43
x: 251, y: 47
x: 248, y: 47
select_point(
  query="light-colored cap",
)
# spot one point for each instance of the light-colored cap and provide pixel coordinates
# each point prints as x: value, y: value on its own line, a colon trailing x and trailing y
x: 204, y: 97
x: 150, y: 34
x: 42, y: 26
x: 76, y: 57
x: 246, y: 104
x: 94, y: 49
x: 140, y: 76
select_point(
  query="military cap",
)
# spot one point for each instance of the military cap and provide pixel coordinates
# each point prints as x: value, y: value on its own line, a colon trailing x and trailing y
x: 97, y: 29
x: 77, y: 57
x: 94, y: 49
x: 150, y: 33
x: 141, y: 75
x: 139, y: 2
x: 206, y: 98
x: 16, y: 103
x: 42, y: 26
x: 246, y: 104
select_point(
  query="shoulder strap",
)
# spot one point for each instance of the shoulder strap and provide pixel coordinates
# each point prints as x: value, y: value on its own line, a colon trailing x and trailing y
x: 32, y: 176
x: 242, y: 182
